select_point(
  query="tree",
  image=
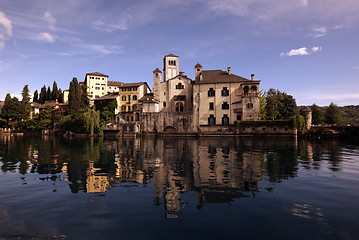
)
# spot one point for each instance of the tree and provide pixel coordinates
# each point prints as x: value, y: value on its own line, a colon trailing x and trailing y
x: 333, y: 114
x: 60, y: 97
x: 84, y: 97
x: 48, y: 94
x: 74, y: 95
x: 262, y: 104
x: 55, y: 91
x: 280, y: 105
x: 13, y: 109
x: 36, y: 96
x: 92, y: 120
x: 26, y: 100
x: 317, y: 114
x: 42, y: 97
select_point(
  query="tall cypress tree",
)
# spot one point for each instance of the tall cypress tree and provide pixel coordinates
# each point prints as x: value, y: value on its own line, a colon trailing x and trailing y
x: 74, y: 95
x: 26, y: 100
x: 60, y: 96
x: 55, y: 91
x: 42, y: 97
x: 36, y: 96
x: 48, y: 94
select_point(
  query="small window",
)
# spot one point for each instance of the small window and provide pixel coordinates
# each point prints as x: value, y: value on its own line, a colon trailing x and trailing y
x: 211, y: 106
x: 225, y: 105
x: 129, y: 108
x: 123, y: 98
x: 211, y: 92
x: 239, y: 117
x: 134, y: 97
x: 225, y: 92
x: 123, y: 108
x: 164, y: 104
x: 249, y: 105
x: 225, y: 120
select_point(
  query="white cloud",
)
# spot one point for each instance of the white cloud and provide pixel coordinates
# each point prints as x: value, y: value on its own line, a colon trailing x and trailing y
x: 121, y: 24
x: 356, y: 68
x: 300, y: 51
x: 100, y: 49
x: 50, y: 20
x: 45, y: 37
x: 5, y: 29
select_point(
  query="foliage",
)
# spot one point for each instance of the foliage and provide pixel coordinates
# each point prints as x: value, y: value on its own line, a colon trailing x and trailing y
x: 77, y: 96
x: 317, y: 114
x: 333, y: 114
x: 279, y: 105
x: 299, y: 123
x: 36, y: 96
x: 262, y: 104
x: 26, y: 100
x: 73, y: 123
x: 107, y: 109
x: 13, y: 109
x: 92, y: 121
x: 42, y: 97
x: 41, y: 121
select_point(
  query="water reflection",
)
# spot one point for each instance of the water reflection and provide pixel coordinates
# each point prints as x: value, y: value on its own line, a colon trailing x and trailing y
x: 218, y: 170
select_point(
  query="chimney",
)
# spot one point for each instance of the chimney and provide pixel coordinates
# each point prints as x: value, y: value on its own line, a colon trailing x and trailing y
x: 252, y: 77
x: 229, y: 70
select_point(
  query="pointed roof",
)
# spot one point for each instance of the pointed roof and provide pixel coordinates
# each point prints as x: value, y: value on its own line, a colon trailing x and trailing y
x: 198, y: 65
x: 157, y: 71
x: 171, y: 55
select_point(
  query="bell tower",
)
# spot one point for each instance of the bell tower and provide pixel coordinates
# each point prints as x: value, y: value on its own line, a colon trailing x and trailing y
x: 170, y: 66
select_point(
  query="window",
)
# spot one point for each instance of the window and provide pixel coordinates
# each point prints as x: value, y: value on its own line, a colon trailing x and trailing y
x: 211, y: 92
x: 225, y: 120
x: 123, y: 98
x: 103, y: 88
x: 134, y: 89
x: 123, y: 108
x: 129, y: 89
x: 211, y: 120
x: 225, y: 105
x: 239, y: 117
x: 179, y: 86
x: 245, y: 90
x: 225, y: 92
x: 179, y: 107
x: 249, y: 105
x: 211, y: 106
x: 129, y: 108
x: 179, y: 98
x: 91, y: 77
x: 129, y: 98
x: 123, y: 89
x: 164, y: 104
x: 134, y: 97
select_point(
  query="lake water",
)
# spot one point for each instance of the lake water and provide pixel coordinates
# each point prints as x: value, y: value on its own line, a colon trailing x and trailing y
x: 178, y: 188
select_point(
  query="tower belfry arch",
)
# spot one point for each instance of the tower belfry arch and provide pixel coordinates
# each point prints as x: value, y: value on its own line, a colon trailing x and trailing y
x: 170, y: 66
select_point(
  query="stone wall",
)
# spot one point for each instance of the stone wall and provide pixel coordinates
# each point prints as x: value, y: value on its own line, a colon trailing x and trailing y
x: 267, y: 128
x: 166, y: 122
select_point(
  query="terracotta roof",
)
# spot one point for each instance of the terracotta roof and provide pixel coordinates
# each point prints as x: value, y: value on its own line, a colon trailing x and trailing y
x: 219, y: 76
x: 198, y: 65
x: 110, y: 96
x: 114, y: 83
x: 137, y: 84
x: 171, y: 55
x: 97, y: 74
x: 157, y: 70
x: 148, y: 98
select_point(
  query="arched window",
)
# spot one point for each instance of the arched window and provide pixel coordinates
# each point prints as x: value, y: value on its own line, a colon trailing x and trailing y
x: 254, y: 89
x: 179, y: 107
x: 179, y: 86
x: 246, y: 90
x: 174, y: 62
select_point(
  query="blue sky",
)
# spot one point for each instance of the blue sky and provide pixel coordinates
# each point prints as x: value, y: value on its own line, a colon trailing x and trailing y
x: 307, y: 48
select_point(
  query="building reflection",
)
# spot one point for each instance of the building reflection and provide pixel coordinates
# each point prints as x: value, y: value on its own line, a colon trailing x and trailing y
x: 217, y: 170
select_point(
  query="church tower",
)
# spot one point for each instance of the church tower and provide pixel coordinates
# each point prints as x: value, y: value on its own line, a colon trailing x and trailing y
x: 157, y: 79
x: 170, y: 66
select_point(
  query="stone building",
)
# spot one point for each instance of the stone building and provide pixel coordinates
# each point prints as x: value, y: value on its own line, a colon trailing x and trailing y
x: 214, y: 101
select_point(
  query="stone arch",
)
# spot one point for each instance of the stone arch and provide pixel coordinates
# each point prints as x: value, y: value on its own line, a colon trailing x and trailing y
x: 254, y: 88
x: 179, y: 107
x: 245, y: 90
x: 170, y: 129
x: 131, y: 128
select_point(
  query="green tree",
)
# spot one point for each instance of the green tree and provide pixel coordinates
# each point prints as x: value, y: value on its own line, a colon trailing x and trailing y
x: 74, y: 96
x: 60, y: 96
x: 48, y: 94
x: 280, y: 105
x: 84, y: 97
x: 317, y: 114
x: 333, y: 114
x: 262, y: 104
x: 42, y: 97
x: 92, y: 120
x: 13, y: 109
x: 26, y: 100
x: 55, y: 91
x: 36, y: 96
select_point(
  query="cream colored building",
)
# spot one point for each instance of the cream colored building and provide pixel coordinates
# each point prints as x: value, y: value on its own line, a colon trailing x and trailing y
x: 96, y: 85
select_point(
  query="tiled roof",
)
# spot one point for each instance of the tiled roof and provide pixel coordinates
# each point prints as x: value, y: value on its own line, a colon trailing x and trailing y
x: 219, y: 76
x: 114, y: 83
x: 198, y: 65
x: 97, y: 74
x: 171, y: 55
x: 110, y: 96
x: 148, y: 98
x: 133, y: 84
x: 157, y: 71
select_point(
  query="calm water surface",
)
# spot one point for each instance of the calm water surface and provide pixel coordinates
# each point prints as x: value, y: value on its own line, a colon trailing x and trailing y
x: 178, y: 188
